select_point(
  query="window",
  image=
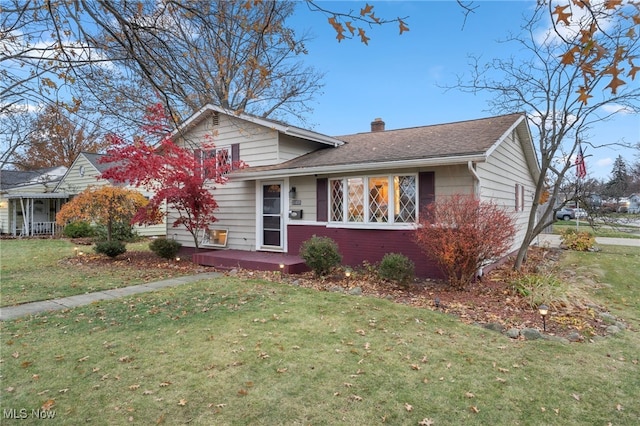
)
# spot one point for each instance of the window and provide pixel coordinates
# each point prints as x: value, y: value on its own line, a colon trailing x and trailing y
x: 215, y: 237
x: 373, y: 199
x: 223, y: 159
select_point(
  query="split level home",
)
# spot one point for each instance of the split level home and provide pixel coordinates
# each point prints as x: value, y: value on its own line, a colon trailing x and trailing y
x: 366, y: 191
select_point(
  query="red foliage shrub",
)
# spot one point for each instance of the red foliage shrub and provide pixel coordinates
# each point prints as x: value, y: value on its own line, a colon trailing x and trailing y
x: 462, y: 233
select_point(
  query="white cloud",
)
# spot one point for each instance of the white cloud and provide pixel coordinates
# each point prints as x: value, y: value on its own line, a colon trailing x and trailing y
x: 617, y: 109
x: 604, y: 162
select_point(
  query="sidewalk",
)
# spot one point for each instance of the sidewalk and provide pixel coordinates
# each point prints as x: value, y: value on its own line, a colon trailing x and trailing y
x: 554, y: 241
x: 12, y: 312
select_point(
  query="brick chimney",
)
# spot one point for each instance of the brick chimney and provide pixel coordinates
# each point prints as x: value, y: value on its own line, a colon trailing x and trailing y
x: 377, y: 125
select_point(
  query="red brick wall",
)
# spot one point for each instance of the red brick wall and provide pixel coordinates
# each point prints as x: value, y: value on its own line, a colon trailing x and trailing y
x: 358, y: 245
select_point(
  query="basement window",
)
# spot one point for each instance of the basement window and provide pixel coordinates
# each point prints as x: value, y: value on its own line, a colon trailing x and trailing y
x: 216, y: 237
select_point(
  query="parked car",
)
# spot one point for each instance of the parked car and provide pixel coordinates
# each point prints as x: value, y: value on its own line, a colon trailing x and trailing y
x: 580, y: 213
x: 565, y: 213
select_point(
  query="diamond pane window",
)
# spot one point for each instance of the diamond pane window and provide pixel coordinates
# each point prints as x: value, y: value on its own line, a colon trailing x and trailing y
x: 378, y: 199
x: 404, y: 188
x: 337, y: 197
x: 355, y: 202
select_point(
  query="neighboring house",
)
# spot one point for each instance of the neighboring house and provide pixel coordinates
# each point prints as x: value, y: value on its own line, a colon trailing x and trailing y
x: 28, y: 205
x: 634, y: 203
x: 366, y: 191
x: 85, y: 172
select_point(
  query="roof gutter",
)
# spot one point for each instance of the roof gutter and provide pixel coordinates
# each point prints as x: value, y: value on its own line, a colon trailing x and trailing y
x: 476, y: 178
x: 351, y: 167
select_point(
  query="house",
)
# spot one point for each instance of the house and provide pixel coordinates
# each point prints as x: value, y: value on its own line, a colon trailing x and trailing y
x: 634, y: 204
x: 365, y: 191
x: 85, y: 172
x: 28, y: 203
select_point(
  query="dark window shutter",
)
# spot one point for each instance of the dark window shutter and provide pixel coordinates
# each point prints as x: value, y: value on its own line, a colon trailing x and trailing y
x: 235, y: 155
x: 517, y: 197
x: 426, y: 189
x: 197, y: 161
x: 322, y: 194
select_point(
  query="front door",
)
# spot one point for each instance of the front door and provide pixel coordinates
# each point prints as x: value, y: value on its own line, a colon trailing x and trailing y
x: 272, y: 217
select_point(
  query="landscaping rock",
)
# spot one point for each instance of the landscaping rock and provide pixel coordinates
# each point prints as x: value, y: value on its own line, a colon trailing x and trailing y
x: 336, y: 289
x: 608, y: 318
x: 575, y: 337
x: 620, y: 325
x: 612, y: 329
x: 513, y: 333
x: 356, y: 291
x: 558, y: 339
x: 494, y: 326
x: 531, y: 334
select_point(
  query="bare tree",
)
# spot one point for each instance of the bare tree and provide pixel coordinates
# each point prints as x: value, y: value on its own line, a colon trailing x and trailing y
x: 562, y: 100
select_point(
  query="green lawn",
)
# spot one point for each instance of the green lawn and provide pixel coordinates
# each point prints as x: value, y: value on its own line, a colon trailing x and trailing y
x: 33, y: 270
x: 233, y: 351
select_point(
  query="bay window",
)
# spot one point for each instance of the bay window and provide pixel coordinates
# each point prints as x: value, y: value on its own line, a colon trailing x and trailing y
x: 373, y: 199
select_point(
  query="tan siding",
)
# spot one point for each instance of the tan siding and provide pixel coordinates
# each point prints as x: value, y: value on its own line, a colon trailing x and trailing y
x: 505, y: 168
x: 258, y: 145
x: 306, y: 194
x: 290, y: 148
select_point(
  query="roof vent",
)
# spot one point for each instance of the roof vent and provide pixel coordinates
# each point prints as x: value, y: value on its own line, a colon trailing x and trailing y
x: 377, y: 125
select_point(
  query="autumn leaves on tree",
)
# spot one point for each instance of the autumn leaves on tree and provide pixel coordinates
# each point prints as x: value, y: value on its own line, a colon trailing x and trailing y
x: 175, y: 175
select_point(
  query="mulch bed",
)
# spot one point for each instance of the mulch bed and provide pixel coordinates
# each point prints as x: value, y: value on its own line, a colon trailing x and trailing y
x: 488, y: 301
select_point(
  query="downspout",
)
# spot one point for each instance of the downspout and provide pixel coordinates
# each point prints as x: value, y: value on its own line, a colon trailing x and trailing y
x: 476, y: 178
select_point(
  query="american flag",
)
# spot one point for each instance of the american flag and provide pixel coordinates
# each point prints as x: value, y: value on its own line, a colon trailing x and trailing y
x: 581, y: 167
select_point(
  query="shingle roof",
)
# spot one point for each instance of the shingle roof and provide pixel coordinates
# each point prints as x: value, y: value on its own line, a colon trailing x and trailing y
x: 94, y: 159
x: 15, y: 178
x: 464, y: 138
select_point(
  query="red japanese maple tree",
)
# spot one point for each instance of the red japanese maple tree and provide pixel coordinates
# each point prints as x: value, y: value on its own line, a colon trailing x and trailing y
x: 179, y: 176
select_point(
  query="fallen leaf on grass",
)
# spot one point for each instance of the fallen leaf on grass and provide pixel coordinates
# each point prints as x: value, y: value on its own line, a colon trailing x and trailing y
x: 243, y: 392
x: 619, y: 407
x: 500, y: 379
x: 134, y: 387
x: 474, y: 409
x: 84, y: 358
x: 426, y: 422
x: 469, y: 395
x: 415, y: 367
x: 48, y: 404
x: 182, y: 402
x: 575, y: 396
x: 356, y: 398
x: 408, y: 407
x: 281, y: 370
x: 164, y: 384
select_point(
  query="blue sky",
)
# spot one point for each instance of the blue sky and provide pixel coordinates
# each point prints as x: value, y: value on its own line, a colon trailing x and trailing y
x: 400, y: 78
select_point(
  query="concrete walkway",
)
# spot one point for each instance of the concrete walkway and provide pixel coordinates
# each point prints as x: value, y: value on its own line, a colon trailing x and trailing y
x: 554, y: 241
x: 12, y: 312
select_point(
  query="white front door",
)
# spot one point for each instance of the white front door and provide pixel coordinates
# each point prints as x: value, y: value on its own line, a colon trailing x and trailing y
x: 272, y: 216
